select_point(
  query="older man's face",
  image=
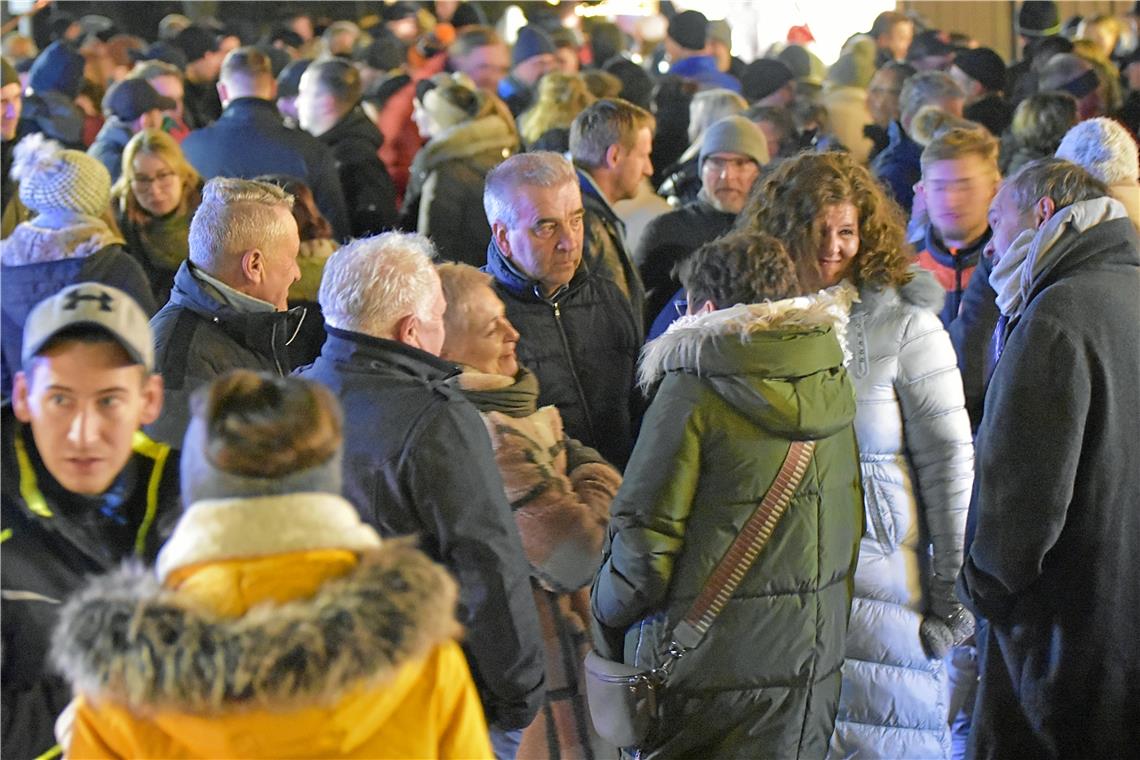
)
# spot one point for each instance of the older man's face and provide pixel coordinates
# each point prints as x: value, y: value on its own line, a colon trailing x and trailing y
x: 727, y: 179
x: 545, y: 242
x: 1007, y: 222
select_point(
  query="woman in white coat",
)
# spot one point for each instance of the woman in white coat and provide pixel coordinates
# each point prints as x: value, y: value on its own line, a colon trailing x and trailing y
x: 915, y: 447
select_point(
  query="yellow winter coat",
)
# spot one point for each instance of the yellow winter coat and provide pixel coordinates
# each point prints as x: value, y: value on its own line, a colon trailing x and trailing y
x: 277, y: 627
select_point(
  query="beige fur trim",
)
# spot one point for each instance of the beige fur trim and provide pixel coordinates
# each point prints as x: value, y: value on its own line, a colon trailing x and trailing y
x: 472, y: 379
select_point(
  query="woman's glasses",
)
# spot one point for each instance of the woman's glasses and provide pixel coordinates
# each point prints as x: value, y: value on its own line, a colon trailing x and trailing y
x: 162, y: 178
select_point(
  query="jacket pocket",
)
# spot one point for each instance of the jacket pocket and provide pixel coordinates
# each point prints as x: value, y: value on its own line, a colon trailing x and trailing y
x: 881, y: 525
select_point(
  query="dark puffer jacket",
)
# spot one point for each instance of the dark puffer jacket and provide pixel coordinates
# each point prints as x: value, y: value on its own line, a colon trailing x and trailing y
x: 582, y: 343
x: 739, y: 385
x: 368, y: 190
x: 604, y: 248
x: 198, y: 336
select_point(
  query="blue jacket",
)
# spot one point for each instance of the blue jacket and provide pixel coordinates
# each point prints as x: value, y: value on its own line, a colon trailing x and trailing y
x: 899, y: 165
x: 250, y: 139
x: 418, y: 461
x: 702, y: 69
x: 582, y: 343
x: 109, y: 145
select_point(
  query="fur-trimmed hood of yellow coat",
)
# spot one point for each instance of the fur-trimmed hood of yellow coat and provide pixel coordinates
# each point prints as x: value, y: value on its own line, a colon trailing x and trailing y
x: 272, y: 621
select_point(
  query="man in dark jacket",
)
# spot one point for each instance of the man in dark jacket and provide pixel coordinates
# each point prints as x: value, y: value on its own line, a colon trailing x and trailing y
x: 531, y: 58
x: 980, y: 73
x: 577, y: 331
x: 733, y: 150
x: 129, y: 106
x: 610, y: 142
x: 203, y: 55
x: 229, y: 306
x: 418, y: 460
x: 328, y: 107
x: 82, y: 489
x: 1052, y: 564
x: 250, y: 139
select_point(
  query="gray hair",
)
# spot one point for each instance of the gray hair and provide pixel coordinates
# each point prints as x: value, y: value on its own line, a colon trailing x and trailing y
x: 926, y: 88
x: 606, y: 122
x: 539, y: 169
x: 710, y: 106
x: 372, y: 283
x: 1062, y: 181
x: 235, y: 216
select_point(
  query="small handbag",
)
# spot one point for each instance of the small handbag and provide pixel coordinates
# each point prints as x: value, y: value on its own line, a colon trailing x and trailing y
x: 622, y: 698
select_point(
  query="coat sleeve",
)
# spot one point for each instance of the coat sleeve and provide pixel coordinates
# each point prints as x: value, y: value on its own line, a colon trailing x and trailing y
x: 465, y: 508
x: 937, y: 434
x: 1029, y: 449
x: 649, y: 514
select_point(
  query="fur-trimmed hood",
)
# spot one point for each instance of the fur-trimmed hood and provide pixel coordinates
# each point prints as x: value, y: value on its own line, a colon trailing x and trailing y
x: 126, y: 639
x: 922, y: 290
x: 42, y: 240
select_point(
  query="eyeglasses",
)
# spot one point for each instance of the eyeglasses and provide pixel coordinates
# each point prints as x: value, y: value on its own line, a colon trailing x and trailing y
x: 162, y: 178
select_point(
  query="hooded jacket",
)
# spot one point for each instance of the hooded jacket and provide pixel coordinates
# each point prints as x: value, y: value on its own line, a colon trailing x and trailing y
x: 202, y: 333
x: 736, y: 387
x: 582, y: 343
x: 368, y: 190
x: 445, y: 193
x: 417, y: 462
x: 1052, y: 566
x: 333, y: 645
x: 46, y: 254
x: 917, y: 460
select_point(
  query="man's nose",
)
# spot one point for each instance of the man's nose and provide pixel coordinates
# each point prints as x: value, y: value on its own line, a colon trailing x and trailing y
x: 84, y: 428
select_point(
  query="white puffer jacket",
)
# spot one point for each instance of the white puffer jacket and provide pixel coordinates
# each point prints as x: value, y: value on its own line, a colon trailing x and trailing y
x: 917, y: 460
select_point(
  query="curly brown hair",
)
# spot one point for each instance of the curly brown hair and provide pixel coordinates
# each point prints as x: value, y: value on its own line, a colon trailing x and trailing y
x: 790, y: 202
x: 743, y: 266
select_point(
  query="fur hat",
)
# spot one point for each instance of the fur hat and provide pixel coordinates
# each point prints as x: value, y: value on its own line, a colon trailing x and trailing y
x: 984, y: 65
x: 531, y: 41
x: 735, y: 134
x: 53, y: 180
x: 1038, y: 18
x: 764, y: 76
x: 690, y: 30
x: 57, y: 69
x: 1104, y: 148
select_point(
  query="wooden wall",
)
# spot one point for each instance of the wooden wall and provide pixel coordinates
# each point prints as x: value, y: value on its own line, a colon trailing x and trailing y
x: 992, y: 23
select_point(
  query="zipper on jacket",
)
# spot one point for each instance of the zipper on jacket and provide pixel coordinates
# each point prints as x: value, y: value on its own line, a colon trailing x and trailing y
x: 570, y: 359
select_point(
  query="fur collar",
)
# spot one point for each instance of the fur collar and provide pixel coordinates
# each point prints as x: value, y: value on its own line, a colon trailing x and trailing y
x: 922, y: 291
x: 33, y: 243
x: 126, y: 639
x: 681, y: 344
x: 219, y: 529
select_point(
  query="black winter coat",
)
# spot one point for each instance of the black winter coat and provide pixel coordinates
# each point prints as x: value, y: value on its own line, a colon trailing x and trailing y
x: 1053, y: 564
x: 418, y: 461
x: 368, y: 189
x: 197, y: 338
x: 604, y: 249
x: 250, y: 140
x: 582, y: 343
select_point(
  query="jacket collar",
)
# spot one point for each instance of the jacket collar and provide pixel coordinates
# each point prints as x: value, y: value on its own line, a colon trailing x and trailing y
x: 358, y: 349
x: 252, y: 109
x: 697, y: 64
x: 962, y: 257
x: 353, y: 124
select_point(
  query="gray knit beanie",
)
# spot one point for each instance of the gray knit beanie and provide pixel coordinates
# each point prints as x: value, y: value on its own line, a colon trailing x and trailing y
x: 1104, y: 148
x: 735, y: 134
x: 54, y: 180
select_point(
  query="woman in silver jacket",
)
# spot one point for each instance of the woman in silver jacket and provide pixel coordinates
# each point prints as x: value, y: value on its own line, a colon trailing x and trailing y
x: 916, y: 453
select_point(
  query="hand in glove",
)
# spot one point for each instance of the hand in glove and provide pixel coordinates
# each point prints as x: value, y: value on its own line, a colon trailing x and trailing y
x: 947, y: 623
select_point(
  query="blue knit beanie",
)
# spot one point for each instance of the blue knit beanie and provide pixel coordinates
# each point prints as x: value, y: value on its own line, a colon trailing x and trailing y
x: 532, y: 41
x: 57, y: 68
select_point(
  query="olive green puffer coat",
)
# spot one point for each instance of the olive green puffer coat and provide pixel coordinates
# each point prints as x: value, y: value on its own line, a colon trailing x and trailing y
x: 738, y: 385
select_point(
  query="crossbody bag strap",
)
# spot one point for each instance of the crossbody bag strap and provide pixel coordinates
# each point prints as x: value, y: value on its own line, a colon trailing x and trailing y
x: 741, y: 555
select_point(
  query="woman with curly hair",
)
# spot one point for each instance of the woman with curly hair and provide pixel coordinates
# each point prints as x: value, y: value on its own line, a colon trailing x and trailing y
x: 154, y: 198
x: 916, y: 453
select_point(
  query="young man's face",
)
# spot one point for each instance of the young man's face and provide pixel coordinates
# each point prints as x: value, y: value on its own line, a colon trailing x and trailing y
x: 958, y: 194
x: 84, y: 402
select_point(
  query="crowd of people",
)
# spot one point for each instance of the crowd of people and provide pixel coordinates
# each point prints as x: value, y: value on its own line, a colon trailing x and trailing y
x: 361, y: 376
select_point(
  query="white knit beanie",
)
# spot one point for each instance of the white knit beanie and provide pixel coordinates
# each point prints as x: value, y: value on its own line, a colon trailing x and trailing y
x: 1104, y: 149
x: 56, y: 180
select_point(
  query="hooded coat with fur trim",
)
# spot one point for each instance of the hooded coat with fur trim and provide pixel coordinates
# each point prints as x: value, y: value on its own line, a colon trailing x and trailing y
x: 917, y: 459
x: 314, y: 641
x: 739, y: 385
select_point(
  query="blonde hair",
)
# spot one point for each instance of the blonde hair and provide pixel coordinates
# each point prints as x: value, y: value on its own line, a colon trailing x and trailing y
x: 931, y: 121
x: 958, y: 143
x: 154, y: 142
x: 561, y: 97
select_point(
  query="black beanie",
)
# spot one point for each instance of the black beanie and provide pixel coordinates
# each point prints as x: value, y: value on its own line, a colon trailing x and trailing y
x: 1038, y: 18
x: 764, y: 76
x: 690, y: 30
x: 532, y: 41
x: 468, y: 14
x: 984, y: 65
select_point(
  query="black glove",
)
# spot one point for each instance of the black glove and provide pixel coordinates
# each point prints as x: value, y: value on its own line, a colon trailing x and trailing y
x: 947, y: 623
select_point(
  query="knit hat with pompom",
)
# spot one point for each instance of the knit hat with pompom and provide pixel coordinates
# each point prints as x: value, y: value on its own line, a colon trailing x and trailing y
x: 56, y: 180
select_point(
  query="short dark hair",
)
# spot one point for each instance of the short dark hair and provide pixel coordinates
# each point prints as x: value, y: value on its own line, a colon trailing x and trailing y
x: 886, y: 21
x: 339, y: 78
x: 1062, y: 181
x: 740, y: 267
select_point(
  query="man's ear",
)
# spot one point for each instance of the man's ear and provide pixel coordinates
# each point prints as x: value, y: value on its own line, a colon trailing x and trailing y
x: 708, y: 307
x: 20, y: 406
x: 1043, y: 211
x: 223, y: 93
x: 151, y: 398
x: 407, y: 331
x: 253, y: 265
x: 613, y: 155
x: 499, y: 233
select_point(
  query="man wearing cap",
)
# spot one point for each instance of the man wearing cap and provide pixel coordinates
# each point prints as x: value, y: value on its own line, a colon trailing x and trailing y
x: 250, y: 140
x: 610, y: 143
x: 328, y: 107
x: 53, y: 82
x: 1037, y: 20
x: 769, y: 82
x: 733, y: 151
x: 531, y: 58
x: 1070, y: 73
x: 130, y: 106
x: 687, y: 50
x: 720, y: 48
x: 980, y: 72
x: 82, y: 489
x: 204, y: 62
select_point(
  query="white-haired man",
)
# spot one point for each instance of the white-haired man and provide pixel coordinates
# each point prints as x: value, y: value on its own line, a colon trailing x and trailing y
x: 229, y: 305
x: 418, y: 460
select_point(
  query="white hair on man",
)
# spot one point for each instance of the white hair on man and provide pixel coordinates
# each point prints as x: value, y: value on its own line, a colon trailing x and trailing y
x: 236, y: 216
x: 541, y: 168
x: 1104, y: 148
x: 370, y: 284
